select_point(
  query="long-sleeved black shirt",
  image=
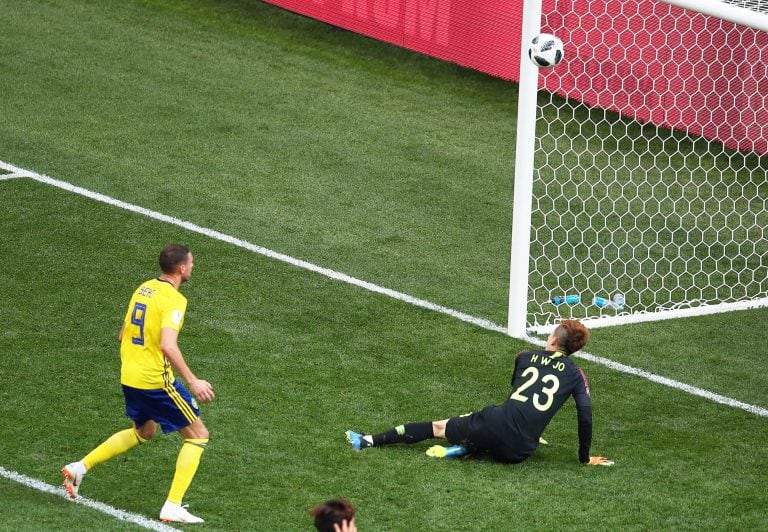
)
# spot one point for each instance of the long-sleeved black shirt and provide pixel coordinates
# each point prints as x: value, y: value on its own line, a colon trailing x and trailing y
x: 541, y: 383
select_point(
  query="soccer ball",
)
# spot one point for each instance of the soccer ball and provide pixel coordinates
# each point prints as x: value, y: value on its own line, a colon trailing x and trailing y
x: 546, y: 50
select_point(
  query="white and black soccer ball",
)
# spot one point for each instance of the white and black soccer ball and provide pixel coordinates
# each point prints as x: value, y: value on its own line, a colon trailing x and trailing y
x: 546, y: 50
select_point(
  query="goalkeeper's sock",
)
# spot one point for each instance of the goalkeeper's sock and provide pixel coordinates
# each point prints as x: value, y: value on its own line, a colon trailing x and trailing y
x: 408, y: 433
x: 116, y: 444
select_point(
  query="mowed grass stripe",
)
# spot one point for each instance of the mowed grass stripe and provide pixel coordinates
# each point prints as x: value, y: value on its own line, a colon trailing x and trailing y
x: 480, y: 322
x: 235, y: 241
x: 298, y: 358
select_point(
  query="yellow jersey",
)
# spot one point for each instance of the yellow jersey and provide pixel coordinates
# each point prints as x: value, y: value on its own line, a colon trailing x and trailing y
x: 155, y: 305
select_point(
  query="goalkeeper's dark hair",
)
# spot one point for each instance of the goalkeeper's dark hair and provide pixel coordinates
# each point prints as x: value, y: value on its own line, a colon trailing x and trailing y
x: 571, y: 336
x: 172, y: 256
x: 332, y: 512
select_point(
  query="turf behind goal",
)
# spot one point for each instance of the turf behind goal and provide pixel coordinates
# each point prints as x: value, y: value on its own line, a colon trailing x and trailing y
x: 641, y: 171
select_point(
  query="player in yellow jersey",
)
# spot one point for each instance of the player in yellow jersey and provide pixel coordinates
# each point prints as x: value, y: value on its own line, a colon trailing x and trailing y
x: 150, y: 355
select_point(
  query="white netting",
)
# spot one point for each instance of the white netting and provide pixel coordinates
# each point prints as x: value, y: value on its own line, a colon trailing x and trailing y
x: 650, y: 178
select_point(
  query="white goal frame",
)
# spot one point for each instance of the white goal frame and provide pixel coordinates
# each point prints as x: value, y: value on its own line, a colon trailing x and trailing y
x: 519, y: 322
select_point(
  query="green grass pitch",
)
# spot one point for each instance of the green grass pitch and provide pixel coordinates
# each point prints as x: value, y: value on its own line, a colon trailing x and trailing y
x: 356, y: 156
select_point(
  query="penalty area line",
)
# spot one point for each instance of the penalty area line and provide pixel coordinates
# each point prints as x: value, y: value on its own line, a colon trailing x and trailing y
x: 118, y: 514
x: 342, y: 277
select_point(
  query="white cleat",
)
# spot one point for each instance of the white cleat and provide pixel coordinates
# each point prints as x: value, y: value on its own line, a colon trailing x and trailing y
x: 176, y: 513
x: 73, y: 476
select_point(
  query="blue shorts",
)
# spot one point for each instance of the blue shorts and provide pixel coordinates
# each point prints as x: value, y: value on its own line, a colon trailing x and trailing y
x: 173, y: 408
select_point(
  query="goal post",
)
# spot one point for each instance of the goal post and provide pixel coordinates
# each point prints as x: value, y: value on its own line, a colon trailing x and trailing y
x: 641, y: 186
x: 524, y: 168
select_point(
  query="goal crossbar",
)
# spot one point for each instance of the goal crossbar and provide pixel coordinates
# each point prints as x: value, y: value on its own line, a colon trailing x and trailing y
x: 726, y: 11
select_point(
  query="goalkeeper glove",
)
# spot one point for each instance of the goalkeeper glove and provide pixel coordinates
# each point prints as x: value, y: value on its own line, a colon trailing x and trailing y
x: 600, y: 460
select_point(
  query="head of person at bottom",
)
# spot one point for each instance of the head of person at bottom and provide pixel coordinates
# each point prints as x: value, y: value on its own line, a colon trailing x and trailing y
x: 568, y: 337
x: 333, y: 515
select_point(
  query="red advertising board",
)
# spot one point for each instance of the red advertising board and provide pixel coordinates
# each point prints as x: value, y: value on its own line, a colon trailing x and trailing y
x: 621, y: 55
x: 480, y: 34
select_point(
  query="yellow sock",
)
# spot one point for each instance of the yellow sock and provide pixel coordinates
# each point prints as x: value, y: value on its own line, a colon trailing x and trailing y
x: 186, y: 467
x: 116, y: 444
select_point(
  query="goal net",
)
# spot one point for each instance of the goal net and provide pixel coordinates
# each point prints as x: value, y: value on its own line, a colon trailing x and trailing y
x: 649, y: 171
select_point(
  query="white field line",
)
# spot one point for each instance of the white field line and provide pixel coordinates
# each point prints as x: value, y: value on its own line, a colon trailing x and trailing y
x: 480, y: 322
x: 757, y: 410
x: 6, y: 177
x: 216, y: 235
x: 120, y: 515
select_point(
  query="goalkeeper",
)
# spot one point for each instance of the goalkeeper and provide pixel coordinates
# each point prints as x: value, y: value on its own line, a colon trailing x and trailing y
x: 541, y: 383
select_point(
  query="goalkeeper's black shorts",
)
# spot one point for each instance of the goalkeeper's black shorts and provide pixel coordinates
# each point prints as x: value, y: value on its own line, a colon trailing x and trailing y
x: 487, y: 430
